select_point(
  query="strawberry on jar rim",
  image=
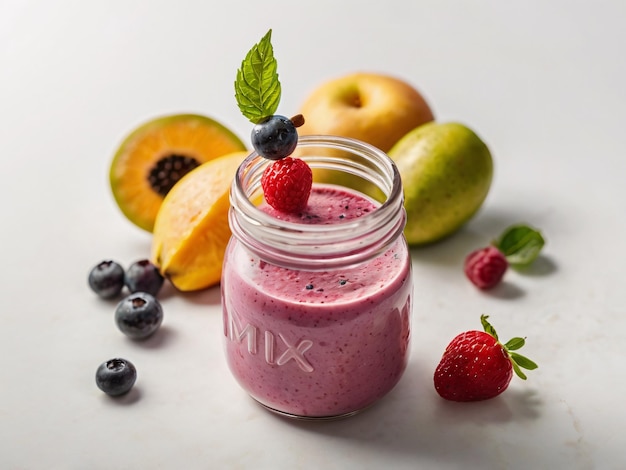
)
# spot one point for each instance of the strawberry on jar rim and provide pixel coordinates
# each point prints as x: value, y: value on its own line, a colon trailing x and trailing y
x: 477, y: 366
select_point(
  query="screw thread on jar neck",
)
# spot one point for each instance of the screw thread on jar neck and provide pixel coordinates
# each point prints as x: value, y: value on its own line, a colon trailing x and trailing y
x: 314, y: 247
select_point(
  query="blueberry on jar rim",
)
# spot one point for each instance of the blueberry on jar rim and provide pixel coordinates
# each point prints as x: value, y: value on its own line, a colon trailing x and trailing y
x: 275, y: 137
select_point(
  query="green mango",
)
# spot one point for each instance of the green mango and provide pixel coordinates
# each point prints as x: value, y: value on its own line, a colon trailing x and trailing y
x: 446, y: 172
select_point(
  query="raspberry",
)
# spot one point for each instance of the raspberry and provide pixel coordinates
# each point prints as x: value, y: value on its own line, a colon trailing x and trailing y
x: 287, y: 184
x: 486, y: 267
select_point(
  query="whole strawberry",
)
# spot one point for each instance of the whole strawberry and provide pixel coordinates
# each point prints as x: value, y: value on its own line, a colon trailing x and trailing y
x: 287, y: 184
x: 476, y: 366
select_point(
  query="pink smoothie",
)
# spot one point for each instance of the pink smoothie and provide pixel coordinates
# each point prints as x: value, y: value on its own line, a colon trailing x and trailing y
x: 318, y: 343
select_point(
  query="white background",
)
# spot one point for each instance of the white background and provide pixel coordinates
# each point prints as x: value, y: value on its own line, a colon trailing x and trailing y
x: 542, y: 82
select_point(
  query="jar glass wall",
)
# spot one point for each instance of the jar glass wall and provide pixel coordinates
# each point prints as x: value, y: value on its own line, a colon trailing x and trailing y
x: 317, y: 305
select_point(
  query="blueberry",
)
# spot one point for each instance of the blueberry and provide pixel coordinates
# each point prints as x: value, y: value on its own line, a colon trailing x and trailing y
x: 139, y: 315
x: 275, y: 137
x: 116, y: 376
x: 107, y: 279
x: 143, y: 276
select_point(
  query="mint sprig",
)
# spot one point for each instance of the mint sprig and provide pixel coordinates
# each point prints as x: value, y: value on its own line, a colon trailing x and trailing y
x: 520, y: 245
x: 257, y: 88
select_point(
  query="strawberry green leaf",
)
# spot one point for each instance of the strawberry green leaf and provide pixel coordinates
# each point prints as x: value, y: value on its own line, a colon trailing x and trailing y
x: 517, y: 360
x: 520, y: 244
x: 522, y: 361
x: 518, y: 371
x: 487, y: 326
x: 257, y: 88
x: 514, y: 343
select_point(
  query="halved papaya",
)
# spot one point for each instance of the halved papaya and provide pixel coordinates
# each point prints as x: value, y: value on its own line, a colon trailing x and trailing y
x: 191, y: 230
x: 154, y: 156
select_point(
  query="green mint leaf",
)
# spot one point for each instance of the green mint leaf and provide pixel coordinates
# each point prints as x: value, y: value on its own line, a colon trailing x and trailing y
x: 514, y: 344
x: 520, y: 244
x: 522, y: 361
x: 257, y: 88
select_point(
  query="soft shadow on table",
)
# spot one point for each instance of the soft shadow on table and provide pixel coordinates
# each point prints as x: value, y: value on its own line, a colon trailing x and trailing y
x: 415, y: 422
x: 506, y: 291
x: 542, y: 266
x: 451, y: 251
x: 162, y: 338
x: 207, y: 296
x: 210, y: 296
x: 478, y: 232
x: 133, y: 396
x: 167, y: 290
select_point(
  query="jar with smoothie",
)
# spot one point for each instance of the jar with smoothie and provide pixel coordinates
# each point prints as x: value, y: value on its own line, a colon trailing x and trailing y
x: 317, y: 304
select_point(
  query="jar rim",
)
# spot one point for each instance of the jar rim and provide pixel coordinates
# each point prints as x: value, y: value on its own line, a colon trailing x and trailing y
x: 292, y: 241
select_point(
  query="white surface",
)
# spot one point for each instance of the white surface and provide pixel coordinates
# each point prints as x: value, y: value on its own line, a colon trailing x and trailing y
x: 541, y: 82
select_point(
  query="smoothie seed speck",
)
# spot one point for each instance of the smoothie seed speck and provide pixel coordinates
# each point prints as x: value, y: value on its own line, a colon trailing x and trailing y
x: 309, y: 286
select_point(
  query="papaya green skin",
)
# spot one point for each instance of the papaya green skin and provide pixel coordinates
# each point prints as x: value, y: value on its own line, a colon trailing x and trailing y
x: 145, y: 219
x: 446, y: 171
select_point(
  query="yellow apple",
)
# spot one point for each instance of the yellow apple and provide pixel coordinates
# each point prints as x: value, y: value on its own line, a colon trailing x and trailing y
x: 372, y: 107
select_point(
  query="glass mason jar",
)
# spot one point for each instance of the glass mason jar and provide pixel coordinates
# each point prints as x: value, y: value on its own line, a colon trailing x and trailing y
x: 316, y: 306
